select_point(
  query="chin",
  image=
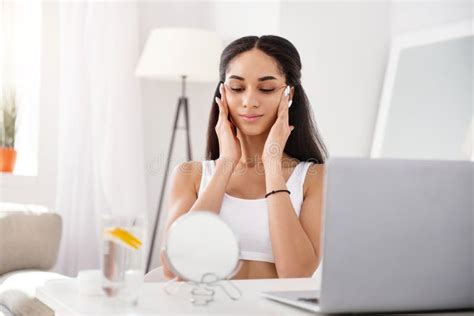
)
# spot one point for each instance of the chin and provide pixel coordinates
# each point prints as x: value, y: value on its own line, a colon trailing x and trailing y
x: 253, y: 130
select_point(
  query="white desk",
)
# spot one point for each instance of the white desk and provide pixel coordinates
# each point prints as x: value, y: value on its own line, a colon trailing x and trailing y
x: 62, y: 296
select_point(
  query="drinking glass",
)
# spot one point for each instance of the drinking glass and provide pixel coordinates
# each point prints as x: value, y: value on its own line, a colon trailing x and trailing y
x: 123, y: 256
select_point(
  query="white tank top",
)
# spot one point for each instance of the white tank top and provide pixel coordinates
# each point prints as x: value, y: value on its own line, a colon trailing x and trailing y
x: 249, y: 218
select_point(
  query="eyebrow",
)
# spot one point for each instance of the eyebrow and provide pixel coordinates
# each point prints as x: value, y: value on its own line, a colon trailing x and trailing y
x: 259, y: 79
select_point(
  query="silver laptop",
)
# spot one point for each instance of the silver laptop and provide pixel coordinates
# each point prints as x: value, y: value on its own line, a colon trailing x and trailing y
x: 398, y: 236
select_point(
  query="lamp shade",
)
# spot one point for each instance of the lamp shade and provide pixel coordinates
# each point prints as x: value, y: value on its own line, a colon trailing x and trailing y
x: 170, y: 53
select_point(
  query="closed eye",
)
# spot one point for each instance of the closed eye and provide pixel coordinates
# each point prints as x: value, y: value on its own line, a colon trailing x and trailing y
x: 263, y: 90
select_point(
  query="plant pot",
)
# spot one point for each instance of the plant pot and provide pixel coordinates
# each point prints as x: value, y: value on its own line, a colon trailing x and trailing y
x: 7, y: 159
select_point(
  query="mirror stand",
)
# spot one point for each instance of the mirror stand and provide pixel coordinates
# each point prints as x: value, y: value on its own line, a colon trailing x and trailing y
x: 203, y: 292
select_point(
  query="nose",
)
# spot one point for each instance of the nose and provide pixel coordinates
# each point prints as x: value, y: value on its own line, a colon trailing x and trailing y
x: 249, y: 98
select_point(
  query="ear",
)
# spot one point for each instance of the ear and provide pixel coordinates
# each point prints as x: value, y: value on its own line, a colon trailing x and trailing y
x: 292, y: 92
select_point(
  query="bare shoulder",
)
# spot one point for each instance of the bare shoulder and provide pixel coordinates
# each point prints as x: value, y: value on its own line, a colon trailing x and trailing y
x: 314, y: 178
x: 189, y: 168
x: 188, y: 172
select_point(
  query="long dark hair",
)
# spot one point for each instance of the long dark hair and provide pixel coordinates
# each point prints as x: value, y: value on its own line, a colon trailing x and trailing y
x: 305, y: 142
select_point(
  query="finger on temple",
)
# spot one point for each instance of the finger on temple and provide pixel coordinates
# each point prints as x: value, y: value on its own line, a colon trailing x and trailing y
x: 284, y: 99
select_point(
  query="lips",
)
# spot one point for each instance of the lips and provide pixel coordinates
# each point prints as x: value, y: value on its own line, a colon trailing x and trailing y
x: 250, y: 117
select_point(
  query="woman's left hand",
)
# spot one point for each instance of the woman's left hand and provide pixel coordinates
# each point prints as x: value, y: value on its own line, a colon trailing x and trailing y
x: 279, y: 133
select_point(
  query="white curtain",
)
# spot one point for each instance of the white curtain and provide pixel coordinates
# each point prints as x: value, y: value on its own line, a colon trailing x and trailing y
x: 101, y: 158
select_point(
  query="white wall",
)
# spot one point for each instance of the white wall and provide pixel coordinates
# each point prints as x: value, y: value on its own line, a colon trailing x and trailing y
x: 236, y: 19
x: 408, y: 16
x: 344, y: 47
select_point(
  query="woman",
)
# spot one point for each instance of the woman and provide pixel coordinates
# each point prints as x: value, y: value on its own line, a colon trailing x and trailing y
x: 266, y: 162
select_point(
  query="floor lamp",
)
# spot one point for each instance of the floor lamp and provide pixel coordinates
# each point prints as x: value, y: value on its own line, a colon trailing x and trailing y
x: 178, y: 54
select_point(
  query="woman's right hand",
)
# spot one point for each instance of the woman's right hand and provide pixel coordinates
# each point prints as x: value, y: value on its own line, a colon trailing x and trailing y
x: 229, y: 144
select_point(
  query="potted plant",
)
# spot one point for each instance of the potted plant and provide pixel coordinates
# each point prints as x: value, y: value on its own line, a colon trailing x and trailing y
x: 7, y: 131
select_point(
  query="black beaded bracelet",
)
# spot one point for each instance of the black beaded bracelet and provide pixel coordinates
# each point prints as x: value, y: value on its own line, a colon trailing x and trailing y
x: 276, y: 191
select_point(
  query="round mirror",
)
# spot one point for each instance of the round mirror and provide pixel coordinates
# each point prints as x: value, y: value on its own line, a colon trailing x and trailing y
x: 200, y: 245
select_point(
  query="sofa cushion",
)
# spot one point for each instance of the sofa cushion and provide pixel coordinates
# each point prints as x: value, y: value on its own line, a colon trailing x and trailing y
x: 29, y: 237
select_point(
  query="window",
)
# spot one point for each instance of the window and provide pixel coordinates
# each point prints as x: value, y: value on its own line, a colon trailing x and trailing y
x: 20, y: 70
